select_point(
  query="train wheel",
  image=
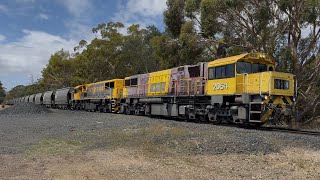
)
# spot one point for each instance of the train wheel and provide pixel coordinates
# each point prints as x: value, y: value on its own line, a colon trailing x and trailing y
x: 257, y: 125
x: 127, y: 110
x: 214, y: 118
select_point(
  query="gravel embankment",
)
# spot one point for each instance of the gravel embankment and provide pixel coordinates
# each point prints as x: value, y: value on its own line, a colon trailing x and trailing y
x: 23, y: 109
x: 24, y: 126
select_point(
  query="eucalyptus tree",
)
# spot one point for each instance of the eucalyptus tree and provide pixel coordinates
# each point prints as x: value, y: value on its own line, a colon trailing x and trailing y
x: 287, y: 29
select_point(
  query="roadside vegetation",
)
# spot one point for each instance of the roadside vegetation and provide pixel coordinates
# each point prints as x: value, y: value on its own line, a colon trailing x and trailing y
x: 197, y: 31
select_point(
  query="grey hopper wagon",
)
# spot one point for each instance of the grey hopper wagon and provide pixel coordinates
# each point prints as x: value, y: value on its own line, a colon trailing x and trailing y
x: 33, y: 98
x: 48, y: 99
x: 38, y: 99
x: 63, y: 98
x: 29, y: 98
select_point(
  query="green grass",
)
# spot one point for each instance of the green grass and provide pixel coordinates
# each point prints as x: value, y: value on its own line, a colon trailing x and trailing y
x: 55, y: 147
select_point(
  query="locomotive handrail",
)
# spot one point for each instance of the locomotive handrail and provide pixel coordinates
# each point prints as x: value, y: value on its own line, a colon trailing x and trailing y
x: 260, y: 88
x: 270, y: 80
x: 185, y: 86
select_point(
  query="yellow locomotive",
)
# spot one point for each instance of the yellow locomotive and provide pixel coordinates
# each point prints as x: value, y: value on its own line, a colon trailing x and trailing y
x: 239, y: 89
x: 254, y: 91
x: 103, y: 96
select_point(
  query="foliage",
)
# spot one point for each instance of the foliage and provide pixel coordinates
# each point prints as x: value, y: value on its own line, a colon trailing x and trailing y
x: 115, y: 55
x: 2, y: 93
x: 20, y: 90
x: 174, y: 17
x: 58, y: 73
x: 287, y: 29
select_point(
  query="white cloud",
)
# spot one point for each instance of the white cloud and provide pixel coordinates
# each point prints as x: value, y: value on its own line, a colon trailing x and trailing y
x: 2, y: 37
x: 147, y: 7
x: 31, y: 53
x: 79, y: 31
x: 77, y: 7
x: 25, y: 1
x: 143, y: 12
x: 43, y: 16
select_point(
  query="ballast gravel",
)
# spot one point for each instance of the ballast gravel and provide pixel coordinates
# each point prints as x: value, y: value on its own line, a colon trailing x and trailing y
x: 24, y: 126
x: 24, y: 108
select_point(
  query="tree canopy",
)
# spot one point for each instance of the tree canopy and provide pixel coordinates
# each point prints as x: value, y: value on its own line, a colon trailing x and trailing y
x: 2, y: 93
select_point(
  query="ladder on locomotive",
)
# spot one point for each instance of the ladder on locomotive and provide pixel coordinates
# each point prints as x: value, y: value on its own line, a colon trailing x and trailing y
x: 253, y: 112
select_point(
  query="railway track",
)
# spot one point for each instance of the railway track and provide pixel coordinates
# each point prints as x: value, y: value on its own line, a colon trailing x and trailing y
x: 275, y: 129
x: 269, y: 128
x: 289, y: 130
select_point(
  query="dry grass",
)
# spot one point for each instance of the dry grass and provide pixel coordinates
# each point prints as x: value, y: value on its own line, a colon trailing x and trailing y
x: 54, y: 147
x: 314, y: 125
x: 125, y: 163
x: 154, y: 138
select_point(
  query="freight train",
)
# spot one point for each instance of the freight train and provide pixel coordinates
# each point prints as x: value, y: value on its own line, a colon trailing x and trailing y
x: 243, y: 89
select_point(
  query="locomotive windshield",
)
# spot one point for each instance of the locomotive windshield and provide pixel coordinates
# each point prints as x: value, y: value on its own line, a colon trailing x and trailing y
x: 79, y: 89
x: 109, y: 85
x: 257, y: 67
x: 248, y: 68
x: 244, y: 68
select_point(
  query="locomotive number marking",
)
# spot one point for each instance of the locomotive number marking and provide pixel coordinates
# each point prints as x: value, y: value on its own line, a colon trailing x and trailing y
x: 220, y: 86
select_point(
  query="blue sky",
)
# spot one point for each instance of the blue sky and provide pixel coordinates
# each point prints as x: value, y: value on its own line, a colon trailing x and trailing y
x: 32, y: 30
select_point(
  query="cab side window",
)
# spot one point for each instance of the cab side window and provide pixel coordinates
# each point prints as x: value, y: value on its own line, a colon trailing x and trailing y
x: 134, y: 82
x: 111, y: 84
x: 230, y: 71
x: 127, y: 82
x: 212, y: 73
x: 220, y: 72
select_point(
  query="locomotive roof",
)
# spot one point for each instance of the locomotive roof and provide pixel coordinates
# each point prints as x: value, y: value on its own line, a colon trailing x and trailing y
x: 99, y: 82
x: 254, y: 57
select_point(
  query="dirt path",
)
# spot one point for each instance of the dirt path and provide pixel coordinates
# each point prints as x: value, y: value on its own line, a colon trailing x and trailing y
x: 3, y: 107
x: 136, y: 164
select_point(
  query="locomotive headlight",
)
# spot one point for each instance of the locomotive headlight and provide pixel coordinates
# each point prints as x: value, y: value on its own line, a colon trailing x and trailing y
x: 265, y: 97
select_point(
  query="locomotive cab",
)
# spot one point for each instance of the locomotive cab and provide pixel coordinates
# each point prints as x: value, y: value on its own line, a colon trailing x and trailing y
x: 78, y: 91
x: 248, y: 90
